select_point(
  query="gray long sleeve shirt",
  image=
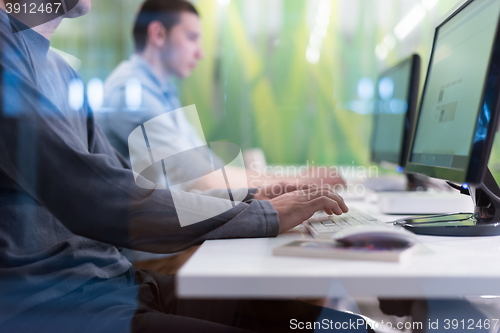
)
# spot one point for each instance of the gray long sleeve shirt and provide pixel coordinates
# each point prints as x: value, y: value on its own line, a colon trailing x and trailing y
x: 67, y: 199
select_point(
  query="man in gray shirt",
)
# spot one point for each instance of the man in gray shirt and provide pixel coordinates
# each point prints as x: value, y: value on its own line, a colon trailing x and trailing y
x: 68, y: 200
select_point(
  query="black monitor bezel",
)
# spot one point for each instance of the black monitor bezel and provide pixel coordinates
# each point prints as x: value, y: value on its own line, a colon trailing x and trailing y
x: 412, y: 100
x: 480, y: 152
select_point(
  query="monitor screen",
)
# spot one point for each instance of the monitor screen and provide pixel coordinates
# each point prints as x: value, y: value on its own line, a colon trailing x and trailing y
x: 397, y: 90
x: 449, y: 120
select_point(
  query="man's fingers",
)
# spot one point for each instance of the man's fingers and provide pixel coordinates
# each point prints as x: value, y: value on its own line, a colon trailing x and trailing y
x: 342, y: 204
x: 328, y: 211
x: 327, y: 204
x: 314, y: 193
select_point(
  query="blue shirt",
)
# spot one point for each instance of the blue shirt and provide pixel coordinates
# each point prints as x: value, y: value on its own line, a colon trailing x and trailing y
x: 157, y: 98
x: 67, y: 198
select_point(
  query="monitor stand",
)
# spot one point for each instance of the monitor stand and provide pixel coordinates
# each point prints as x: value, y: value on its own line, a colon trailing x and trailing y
x: 485, y: 221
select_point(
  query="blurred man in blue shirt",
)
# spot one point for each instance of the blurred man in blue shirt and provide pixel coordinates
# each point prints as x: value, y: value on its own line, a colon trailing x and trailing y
x: 167, y: 44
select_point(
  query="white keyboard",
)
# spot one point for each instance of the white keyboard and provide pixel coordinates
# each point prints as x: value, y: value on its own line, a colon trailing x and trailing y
x: 321, y: 225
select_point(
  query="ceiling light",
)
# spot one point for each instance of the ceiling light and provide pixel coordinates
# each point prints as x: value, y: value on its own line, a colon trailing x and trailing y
x: 429, y: 4
x: 409, y: 22
x: 381, y: 51
x: 389, y: 41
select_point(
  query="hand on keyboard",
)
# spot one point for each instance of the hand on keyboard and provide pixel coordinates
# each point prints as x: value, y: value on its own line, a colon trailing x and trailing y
x: 295, y: 207
x: 322, y: 225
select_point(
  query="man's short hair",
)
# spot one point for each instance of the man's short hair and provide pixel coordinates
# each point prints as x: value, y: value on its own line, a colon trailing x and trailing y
x: 165, y: 11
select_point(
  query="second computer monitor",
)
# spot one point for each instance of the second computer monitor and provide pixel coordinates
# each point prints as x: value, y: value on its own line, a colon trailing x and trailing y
x: 395, y: 107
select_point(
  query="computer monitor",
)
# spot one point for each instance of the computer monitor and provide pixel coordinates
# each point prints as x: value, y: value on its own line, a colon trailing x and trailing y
x: 394, y: 116
x: 458, y: 117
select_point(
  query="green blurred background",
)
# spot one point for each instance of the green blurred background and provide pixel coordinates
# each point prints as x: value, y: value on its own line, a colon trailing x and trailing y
x: 292, y: 77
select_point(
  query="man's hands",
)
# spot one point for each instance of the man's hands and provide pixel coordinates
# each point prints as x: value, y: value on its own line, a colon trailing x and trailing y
x: 295, y: 207
x: 296, y: 204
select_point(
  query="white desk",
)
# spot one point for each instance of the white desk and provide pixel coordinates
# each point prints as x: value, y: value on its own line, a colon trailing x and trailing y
x: 245, y: 268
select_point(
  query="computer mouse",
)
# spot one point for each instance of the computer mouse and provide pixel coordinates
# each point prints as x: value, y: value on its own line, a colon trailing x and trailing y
x: 375, y: 236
